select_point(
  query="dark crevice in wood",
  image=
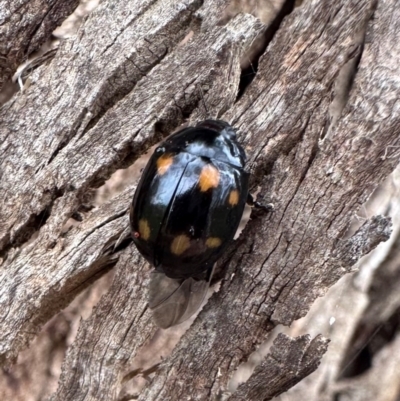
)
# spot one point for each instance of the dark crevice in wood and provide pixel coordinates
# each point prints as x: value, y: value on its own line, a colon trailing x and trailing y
x: 25, y: 233
x: 260, y: 45
x: 140, y: 371
x: 368, y: 22
x: 32, y: 226
x: 367, y: 342
x: 265, y: 167
x: 349, y: 78
x: 128, y: 398
x: 37, y: 28
x: 107, y: 263
x: 4, y: 251
x: 120, y: 94
x: 66, y: 140
x: 77, y: 217
x: 195, y: 24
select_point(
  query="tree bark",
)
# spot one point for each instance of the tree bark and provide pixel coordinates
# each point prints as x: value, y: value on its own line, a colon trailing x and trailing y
x: 289, y: 361
x: 24, y: 26
x: 360, y: 314
x: 127, y: 80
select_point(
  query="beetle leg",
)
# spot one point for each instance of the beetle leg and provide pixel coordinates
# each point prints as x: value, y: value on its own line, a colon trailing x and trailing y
x: 207, y: 275
x: 210, y: 272
x: 269, y: 207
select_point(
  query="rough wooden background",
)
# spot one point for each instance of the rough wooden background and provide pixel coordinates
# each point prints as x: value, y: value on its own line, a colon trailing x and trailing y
x: 125, y: 81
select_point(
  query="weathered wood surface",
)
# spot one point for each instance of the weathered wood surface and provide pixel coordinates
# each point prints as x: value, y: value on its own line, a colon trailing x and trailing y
x: 102, y: 68
x: 315, y: 185
x: 24, y: 26
x: 102, y: 101
x: 360, y: 314
x: 62, y: 183
x: 289, y: 361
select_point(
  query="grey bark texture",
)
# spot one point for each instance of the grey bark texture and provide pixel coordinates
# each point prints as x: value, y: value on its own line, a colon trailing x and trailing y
x: 24, y: 26
x: 129, y: 78
x: 290, y: 361
x: 360, y: 314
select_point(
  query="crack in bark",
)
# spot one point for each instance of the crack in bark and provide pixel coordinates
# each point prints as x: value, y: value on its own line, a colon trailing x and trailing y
x: 262, y: 42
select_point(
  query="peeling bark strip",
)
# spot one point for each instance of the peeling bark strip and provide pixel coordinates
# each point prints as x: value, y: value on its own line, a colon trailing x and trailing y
x: 369, y: 236
x: 24, y: 26
x: 290, y: 360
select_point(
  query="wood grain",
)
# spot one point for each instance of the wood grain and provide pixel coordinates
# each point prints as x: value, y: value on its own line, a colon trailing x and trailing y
x: 126, y: 81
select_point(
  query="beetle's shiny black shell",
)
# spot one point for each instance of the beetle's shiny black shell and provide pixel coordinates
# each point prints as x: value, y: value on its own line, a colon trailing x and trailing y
x: 190, y: 199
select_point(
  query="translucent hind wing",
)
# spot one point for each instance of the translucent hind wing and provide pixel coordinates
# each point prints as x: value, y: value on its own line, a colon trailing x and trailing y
x: 174, y: 301
x: 161, y: 288
x: 197, y: 293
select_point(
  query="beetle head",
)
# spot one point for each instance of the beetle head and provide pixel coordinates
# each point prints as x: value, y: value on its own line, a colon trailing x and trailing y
x: 220, y: 126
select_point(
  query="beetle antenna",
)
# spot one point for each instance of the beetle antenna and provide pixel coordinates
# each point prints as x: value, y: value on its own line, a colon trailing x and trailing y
x: 204, y: 102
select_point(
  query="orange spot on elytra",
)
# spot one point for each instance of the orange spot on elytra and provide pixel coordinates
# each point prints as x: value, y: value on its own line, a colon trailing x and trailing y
x: 144, y: 229
x: 233, y: 197
x: 180, y: 244
x: 213, y: 242
x: 163, y: 163
x: 209, y: 178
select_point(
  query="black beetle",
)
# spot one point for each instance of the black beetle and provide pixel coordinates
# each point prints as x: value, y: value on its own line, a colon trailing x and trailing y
x: 185, y: 212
